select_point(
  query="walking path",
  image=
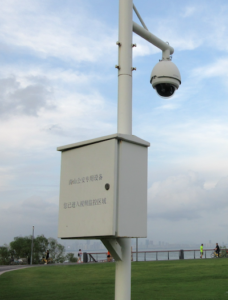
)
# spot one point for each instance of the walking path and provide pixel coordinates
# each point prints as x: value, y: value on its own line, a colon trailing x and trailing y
x: 4, y: 269
x: 9, y: 268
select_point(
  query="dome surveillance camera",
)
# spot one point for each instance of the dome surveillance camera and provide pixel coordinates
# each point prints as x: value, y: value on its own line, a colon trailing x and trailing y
x: 165, y: 78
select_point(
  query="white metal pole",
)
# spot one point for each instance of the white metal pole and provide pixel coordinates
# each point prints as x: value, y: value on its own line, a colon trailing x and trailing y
x: 32, y: 245
x: 123, y: 267
x: 123, y: 271
x: 125, y: 67
x: 137, y: 248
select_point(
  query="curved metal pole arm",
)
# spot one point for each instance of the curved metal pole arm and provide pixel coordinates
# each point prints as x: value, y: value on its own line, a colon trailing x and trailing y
x: 152, y: 39
x: 139, y: 17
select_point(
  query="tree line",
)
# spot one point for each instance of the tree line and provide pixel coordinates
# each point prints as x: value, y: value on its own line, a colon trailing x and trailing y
x: 20, y: 247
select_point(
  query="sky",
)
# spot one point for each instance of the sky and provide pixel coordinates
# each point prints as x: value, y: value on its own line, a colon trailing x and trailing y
x: 58, y: 85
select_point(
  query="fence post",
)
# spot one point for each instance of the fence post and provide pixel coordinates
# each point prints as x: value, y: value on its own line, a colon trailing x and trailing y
x: 85, y: 257
x: 144, y: 256
x: 168, y: 255
x: 205, y: 254
x: 156, y: 255
x: 194, y: 254
x: 181, y: 254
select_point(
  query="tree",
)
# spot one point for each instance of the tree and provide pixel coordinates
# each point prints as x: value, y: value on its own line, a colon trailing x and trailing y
x: 71, y: 257
x: 40, y: 247
x: 223, y: 252
x: 5, y: 255
x: 21, y: 246
x: 56, y: 251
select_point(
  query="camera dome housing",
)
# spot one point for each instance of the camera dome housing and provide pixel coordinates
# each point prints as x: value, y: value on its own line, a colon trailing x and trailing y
x: 165, y: 78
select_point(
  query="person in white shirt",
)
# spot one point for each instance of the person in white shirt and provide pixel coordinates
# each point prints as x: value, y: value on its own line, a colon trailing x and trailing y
x: 79, y: 256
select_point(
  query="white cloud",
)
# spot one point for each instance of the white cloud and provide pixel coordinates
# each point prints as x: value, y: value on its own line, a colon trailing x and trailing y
x: 199, y: 136
x: 71, y: 119
x: 55, y: 34
x: 15, y: 99
x: 184, y: 197
x: 193, y: 25
x: 168, y: 106
x: 188, y: 11
x: 216, y: 68
x: 19, y: 218
x: 6, y: 175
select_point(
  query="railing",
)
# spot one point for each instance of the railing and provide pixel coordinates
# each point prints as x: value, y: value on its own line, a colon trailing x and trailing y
x: 97, y: 257
x: 91, y: 258
x: 170, y: 255
x: 155, y: 255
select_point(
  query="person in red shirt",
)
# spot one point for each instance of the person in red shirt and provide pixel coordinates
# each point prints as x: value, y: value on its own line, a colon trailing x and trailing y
x: 108, y: 256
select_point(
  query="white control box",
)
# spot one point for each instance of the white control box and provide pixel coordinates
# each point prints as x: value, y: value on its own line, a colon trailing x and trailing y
x: 103, y: 188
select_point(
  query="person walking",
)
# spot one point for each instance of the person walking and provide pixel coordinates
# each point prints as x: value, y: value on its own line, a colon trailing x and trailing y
x: 217, y: 249
x: 201, y: 251
x: 108, y: 256
x: 47, y: 257
x: 79, y: 256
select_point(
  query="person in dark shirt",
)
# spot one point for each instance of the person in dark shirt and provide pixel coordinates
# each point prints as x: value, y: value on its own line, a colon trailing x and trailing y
x: 217, y: 249
x: 47, y: 256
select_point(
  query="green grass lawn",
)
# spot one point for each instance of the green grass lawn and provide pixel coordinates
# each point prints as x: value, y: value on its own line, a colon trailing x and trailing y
x: 184, y: 279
